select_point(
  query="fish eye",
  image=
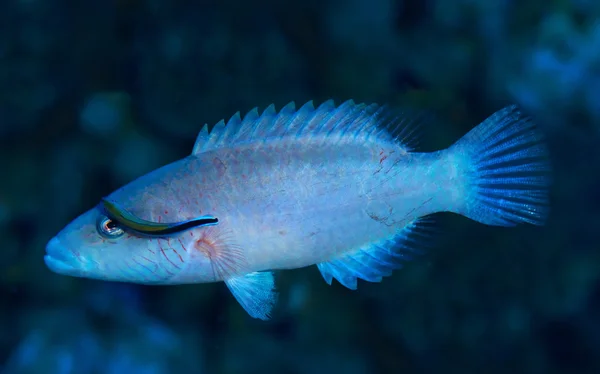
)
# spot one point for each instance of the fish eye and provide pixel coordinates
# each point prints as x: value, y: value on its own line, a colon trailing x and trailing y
x: 109, y: 228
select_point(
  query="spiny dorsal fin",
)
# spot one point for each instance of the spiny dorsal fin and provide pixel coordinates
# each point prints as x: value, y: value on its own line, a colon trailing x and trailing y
x: 349, y: 120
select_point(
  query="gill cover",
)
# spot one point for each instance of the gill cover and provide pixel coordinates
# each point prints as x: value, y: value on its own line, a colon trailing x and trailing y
x: 132, y: 222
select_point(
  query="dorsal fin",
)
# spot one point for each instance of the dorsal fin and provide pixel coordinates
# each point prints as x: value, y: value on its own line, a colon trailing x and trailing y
x: 347, y: 120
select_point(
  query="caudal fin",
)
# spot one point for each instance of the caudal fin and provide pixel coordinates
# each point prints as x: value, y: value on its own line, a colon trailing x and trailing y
x: 506, y: 170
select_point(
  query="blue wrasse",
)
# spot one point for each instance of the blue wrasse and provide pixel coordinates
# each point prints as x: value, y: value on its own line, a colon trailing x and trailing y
x: 336, y: 187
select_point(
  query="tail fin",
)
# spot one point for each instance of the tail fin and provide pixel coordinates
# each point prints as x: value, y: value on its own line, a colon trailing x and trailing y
x: 507, y: 171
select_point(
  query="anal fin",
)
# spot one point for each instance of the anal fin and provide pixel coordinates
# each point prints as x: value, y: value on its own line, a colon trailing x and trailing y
x: 377, y: 260
x: 255, y: 292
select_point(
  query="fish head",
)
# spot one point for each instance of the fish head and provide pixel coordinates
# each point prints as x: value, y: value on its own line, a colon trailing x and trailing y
x: 97, y: 247
x: 108, y: 242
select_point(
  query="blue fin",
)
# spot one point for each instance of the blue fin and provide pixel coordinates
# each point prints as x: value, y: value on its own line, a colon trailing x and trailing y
x: 369, y: 121
x: 377, y: 260
x: 255, y: 292
x: 506, y: 170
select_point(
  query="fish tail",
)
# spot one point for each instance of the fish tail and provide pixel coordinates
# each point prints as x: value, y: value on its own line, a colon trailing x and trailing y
x: 504, y: 171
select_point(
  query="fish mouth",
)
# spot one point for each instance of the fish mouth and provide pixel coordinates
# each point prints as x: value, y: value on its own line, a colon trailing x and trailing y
x: 59, y: 259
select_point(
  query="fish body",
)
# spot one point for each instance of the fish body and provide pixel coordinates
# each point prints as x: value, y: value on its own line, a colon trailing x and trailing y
x: 337, y: 187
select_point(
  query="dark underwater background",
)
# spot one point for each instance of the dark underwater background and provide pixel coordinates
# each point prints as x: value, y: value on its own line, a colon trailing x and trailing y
x: 96, y: 93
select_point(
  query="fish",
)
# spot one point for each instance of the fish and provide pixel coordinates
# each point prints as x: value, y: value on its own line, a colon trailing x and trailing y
x: 341, y: 187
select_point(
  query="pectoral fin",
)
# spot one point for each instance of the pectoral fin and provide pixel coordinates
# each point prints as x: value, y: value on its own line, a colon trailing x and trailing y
x: 255, y: 292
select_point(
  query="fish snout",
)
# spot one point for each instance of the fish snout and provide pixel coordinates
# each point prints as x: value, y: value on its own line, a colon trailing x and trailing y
x: 59, y: 258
